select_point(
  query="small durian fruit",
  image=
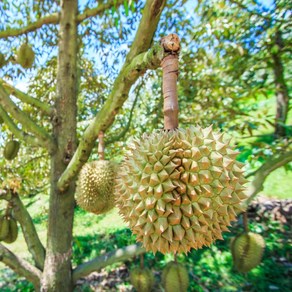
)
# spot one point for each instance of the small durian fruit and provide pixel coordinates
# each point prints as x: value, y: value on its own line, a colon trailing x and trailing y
x: 4, y: 227
x: 25, y: 56
x: 95, y: 186
x: 247, y: 251
x: 180, y: 189
x: 175, y: 277
x: 2, y: 60
x: 142, y: 279
x: 11, y: 149
x: 12, y: 232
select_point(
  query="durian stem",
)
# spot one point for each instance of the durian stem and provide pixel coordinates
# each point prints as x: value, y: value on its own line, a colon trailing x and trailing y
x: 245, y: 222
x: 101, y: 145
x: 175, y: 257
x: 169, y: 66
x: 142, y: 261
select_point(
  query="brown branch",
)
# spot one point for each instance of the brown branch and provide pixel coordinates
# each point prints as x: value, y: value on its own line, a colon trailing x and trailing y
x: 34, y: 141
x: 55, y: 19
x: 101, y: 145
x: 133, y: 68
x: 27, y: 123
x: 169, y: 66
x: 20, y: 266
x: 262, y: 173
x: 102, y: 261
x: 27, y: 98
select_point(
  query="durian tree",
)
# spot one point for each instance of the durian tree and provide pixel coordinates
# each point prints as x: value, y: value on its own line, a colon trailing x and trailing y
x: 50, y: 124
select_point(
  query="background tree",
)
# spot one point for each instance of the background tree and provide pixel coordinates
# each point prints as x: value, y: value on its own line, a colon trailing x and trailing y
x: 87, y: 78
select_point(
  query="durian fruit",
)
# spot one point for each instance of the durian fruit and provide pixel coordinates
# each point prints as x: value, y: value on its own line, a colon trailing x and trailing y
x: 95, y: 186
x: 175, y: 277
x: 13, y: 230
x: 180, y: 189
x: 2, y: 60
x: 142, y: 279
x: 247, y: 251
x: 25, y: 56
x: 4, y: 227
x: 11, y: 149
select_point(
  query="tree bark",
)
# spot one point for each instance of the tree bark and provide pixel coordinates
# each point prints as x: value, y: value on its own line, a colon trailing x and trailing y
x: 57, y: 275
x: 282, y: 96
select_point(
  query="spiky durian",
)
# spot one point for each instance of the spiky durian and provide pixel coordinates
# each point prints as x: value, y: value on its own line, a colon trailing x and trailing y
x: 4, y: 227
x: 142, y: 279
x: 180, y: 189
x: 175, y: 277
x: 247, y: 251
x: 13, y: 230
x: 2, y: 60
x: 11, y: 149
x: 25, y: 56
x: 95, y: 184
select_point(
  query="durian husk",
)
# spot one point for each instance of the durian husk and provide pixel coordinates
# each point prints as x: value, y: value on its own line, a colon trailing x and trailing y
x: 142, y: 279
x: 175, y: 277
x: 11, y: 149
x: 180, y: 189
x: 4, y: 227
x: 12, y: 232
x: 95, y: 186
x: 25, y: 56
x: 247, y: 251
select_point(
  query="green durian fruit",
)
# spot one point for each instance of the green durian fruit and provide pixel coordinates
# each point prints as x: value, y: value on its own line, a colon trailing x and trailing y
x: 4, y: 227
x: 2, y: 60
x: 247, y: 251
x: 12, y: 232
x: 95, y: 186
x: 180, y: 189
x: 175, y: 277
x: 25, y: 56
x: 142, y: 279
x: 11, y: 149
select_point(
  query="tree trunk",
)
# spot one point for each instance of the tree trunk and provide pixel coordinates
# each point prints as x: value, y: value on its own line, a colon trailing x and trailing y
x: 282, y: 97
x: 57, y: 275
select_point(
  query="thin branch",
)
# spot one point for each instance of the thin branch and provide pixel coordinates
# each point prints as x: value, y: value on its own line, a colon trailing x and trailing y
x: 133, y: 68
x: 55, y: 19
x: 44, y: 107
x: 98, y: 10
x: 102, y: 261
x: 20, y: 266
x: 262, y: 173
x: 31, y: 237
x: 27, y: 123
x: 34, y: 141
x: 126, y: 129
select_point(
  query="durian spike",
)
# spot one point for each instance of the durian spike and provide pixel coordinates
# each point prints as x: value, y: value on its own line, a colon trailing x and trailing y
x: 169, y: 64
x: 101, y: 145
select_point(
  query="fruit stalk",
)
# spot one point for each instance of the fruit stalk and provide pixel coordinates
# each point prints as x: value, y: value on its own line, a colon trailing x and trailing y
x: 169, y: 64
x: 101, y: 145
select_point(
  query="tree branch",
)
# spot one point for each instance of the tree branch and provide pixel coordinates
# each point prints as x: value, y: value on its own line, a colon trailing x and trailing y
x: 27, y: 98
x: 102, y: 261
x: 19, y: 133
x: 55, y: 19
x: 262, y: 173
x: 23, y: 118
x: 20, y: 213
x: 133, y: 68
x: 20, y: 266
